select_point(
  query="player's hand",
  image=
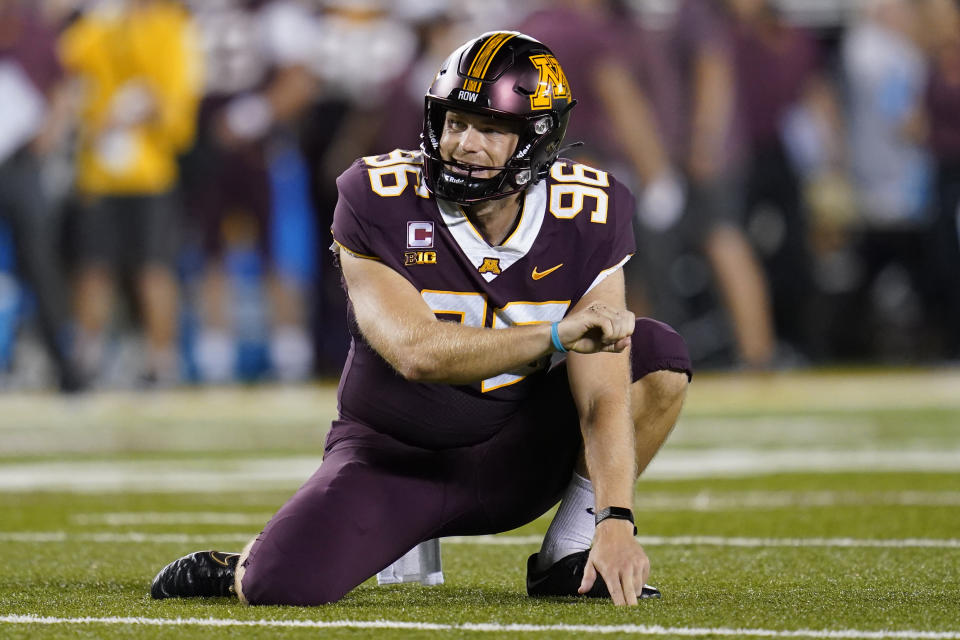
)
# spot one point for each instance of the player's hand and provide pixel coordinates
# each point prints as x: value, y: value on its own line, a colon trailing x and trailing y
x: 619, y: 559
x: 597, y: 328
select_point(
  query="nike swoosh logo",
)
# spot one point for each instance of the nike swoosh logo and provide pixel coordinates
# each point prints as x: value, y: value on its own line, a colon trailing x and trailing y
x: 221, y: 558
x: 536, y: 275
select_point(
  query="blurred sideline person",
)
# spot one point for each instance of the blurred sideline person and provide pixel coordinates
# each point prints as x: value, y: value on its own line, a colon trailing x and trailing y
x: 704, y: 131
x: 138, y: 61
x: 885, y: 73
x: 257, y: 84
x: 603, y: 50
x: 943, y: 116
x: 780, y: 84
x: 35, y: 117
x: 468, y: 266
x: 346, y: 121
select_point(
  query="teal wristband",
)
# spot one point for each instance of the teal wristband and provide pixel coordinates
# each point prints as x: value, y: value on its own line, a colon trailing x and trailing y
x: 555, y: 338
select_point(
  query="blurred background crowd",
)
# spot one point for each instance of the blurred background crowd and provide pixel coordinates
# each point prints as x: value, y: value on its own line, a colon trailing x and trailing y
x: 167, y: 173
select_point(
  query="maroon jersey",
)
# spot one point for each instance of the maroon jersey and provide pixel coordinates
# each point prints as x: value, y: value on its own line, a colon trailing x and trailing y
x: 575, y: 229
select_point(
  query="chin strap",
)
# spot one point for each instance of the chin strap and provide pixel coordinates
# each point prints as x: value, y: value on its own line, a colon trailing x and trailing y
x: 572, y: 145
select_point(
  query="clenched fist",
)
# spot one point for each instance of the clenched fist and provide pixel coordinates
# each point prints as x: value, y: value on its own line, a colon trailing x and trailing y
x: 597, y: 328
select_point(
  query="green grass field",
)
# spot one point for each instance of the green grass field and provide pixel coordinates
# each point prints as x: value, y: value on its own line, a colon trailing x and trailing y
x: 784, y: 506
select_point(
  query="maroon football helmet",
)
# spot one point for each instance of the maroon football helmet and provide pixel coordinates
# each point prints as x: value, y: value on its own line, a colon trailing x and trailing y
x: 506, y: 75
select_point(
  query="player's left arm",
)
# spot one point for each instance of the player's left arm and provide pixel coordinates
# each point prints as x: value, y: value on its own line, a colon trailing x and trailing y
x: 600, y: 385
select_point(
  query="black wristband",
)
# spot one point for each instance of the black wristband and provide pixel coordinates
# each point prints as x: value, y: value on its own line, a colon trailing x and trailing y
x: 617, y: 513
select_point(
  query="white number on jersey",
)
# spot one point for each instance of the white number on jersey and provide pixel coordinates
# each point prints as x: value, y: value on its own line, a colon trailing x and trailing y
x: 568, y: 198
x: 575, y: 184
x: 471, y: 309
x: 388, y: 175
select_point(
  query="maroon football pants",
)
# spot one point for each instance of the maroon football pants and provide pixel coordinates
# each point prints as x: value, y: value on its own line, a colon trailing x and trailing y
x: 374, y: 497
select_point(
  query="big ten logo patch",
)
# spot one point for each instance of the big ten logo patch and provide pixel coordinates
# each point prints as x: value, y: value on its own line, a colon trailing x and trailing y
x: 419, y: 257
x: 552, y: 83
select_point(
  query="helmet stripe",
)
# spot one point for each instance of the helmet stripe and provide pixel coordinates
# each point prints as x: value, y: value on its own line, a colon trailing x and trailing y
x: 480, y: 64
x: 480, y: 60
x: 483, y: 55
x: 486, y: 66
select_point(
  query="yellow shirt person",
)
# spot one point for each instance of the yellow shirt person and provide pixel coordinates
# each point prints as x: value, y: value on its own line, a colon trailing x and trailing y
x: 139, y: 63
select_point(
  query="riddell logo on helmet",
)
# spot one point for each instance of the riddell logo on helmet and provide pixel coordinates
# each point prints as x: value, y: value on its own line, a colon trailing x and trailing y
x: 469, y: 96
x: 552, y: 83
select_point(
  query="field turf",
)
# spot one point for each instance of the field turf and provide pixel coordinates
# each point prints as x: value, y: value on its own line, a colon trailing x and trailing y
x: 804, y: 505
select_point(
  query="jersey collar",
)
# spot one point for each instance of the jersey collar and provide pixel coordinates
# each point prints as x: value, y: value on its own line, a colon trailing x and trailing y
x: 517, y: 245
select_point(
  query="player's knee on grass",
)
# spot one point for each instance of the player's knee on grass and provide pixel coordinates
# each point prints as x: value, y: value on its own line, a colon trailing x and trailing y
x: 294, y: 586
x: 278, y: 593
x: 364, y: 508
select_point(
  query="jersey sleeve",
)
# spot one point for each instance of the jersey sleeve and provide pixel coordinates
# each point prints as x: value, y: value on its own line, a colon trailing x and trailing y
x: 350, y: 232
x: 617, y: 243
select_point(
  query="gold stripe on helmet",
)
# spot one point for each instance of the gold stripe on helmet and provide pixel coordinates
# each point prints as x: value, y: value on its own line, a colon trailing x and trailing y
x: 484, y: 54
x: 480, y: 64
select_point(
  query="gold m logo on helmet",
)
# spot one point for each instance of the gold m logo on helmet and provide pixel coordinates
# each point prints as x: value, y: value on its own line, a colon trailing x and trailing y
x: 552, y: 83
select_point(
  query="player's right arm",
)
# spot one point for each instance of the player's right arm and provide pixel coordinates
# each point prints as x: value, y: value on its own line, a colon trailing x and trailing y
x: 398, y: 324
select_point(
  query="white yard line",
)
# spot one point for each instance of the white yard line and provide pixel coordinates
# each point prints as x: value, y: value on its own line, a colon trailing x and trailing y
x: 265, y: 474
x: 480, y: 627
x: 140, y: 537
x: 133, y: 518
x: 726, y: 500
x: 644, y: 501
x: 949, y: 543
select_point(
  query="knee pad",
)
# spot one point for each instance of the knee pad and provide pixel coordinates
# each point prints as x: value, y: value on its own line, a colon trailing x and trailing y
x: 656, y: 346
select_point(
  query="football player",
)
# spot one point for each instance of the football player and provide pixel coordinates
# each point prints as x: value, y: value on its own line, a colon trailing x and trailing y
x: 494, y: 368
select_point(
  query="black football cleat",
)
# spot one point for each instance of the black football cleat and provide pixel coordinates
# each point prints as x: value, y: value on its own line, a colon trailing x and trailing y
x: 563, y: 578
x: 202, y: 574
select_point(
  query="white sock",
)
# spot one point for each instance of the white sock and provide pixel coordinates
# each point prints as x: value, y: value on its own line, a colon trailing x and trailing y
x: 164, y: 365
x: 573, y: 525
x: 291, y: 353
x: 88, y: 353
x: 216, y: 355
